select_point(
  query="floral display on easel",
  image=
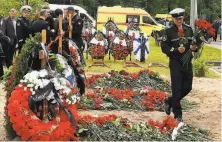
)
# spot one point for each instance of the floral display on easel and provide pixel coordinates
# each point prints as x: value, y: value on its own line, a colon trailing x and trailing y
x: 98, y: 47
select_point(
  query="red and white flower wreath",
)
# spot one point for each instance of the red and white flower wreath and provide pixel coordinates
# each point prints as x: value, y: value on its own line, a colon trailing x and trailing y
x: 29, y: 127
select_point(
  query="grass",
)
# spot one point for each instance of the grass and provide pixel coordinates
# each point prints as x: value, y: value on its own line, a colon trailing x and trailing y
x: 156, y: 55
x: 211, y: 54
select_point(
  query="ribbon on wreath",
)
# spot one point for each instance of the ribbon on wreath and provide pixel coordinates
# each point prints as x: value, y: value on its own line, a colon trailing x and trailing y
x: 44, y: 93
x: 45, y: 50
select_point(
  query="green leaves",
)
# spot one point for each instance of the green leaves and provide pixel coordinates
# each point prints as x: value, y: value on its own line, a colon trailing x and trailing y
x: 6, y: 5
x: 117, y: 121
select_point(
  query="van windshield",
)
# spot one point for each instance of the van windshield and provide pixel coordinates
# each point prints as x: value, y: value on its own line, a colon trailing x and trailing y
x: 149, y: 20
x: 154, y: 20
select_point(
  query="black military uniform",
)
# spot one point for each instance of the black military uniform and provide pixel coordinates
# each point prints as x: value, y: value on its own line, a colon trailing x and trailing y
x: 77, y: 25
x: 23, y: 30
x: 40, y: 25
x: 181, y: 76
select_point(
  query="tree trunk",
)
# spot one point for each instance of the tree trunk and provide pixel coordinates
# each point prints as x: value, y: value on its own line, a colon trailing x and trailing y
x: 169, y: 6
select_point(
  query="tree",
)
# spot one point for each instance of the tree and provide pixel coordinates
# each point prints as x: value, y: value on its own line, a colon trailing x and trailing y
x: 6, y: 5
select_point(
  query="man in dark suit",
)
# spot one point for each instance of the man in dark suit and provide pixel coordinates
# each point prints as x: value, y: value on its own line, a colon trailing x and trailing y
x: 49, y: 18
x: 56, y: 22
x: 4, y: 40
x: 41, y: 24
x: 10, y: 31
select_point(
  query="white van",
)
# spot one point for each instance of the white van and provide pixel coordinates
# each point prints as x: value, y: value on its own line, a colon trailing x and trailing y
x: 81, y: 12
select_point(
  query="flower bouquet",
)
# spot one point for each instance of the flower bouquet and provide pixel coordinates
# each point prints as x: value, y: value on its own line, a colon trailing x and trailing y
x: 120, y: 52
x: 98, y: 47
x: 204, y: 31
x: 97, y: 51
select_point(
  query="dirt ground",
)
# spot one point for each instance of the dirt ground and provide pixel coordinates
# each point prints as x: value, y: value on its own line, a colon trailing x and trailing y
x: 207, y: 114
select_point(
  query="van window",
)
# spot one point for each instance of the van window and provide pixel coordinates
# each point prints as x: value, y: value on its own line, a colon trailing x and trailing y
x: 83, y: 16
x: 132, y: 18
x: 148, y: 20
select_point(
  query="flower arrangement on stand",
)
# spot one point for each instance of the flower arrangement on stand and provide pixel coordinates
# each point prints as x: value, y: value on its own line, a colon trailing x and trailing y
x: 120, y: 52
x: 98, y: 47
x: 120, y: 49
x: 97, y: 51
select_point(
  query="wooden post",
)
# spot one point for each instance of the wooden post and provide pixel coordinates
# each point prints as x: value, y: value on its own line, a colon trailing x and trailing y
x: 70, y: 26
x: 60, y: 35
x: 43, y: 64
x: 41, y: 52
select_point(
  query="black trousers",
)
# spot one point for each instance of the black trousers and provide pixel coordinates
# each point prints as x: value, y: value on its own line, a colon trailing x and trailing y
x: 5, y: 47
x: 181, y: 83
x: 215, y: 37
x: 11, y: 52
x: 1, y: 69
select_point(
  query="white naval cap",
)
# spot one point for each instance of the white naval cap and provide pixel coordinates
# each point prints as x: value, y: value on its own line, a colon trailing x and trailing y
x: 25, y: 8
x: 177, y: 12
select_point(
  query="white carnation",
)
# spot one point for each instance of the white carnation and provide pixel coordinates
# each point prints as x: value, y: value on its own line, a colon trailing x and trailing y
x: 43, y: 73
x: 45, y: 82
x: 36, y: 87
x: 30, y: 85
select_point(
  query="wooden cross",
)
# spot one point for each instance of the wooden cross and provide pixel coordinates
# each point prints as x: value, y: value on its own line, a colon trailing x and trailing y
x: 42, y: 56
x: 60, y: 35
x: 42, y: 52
x: 70, y: 26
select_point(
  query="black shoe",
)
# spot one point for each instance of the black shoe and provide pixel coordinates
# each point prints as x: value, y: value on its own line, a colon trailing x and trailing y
x: 179, y: 119
x: 167, y: 107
